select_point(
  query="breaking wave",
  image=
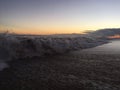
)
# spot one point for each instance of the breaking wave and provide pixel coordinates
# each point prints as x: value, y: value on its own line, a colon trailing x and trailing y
x: 14, y: 46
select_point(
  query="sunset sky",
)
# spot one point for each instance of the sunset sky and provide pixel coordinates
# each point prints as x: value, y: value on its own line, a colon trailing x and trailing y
x: 58, y: 16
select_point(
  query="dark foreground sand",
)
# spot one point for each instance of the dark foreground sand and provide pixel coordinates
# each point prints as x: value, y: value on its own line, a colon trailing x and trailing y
x: 65, y: 72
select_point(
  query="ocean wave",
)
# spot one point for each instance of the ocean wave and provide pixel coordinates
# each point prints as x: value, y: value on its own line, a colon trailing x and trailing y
x: 23, y: 46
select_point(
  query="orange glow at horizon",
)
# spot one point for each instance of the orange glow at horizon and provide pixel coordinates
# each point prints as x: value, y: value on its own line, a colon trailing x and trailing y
x: 47, y: 32
x: 54, y: 29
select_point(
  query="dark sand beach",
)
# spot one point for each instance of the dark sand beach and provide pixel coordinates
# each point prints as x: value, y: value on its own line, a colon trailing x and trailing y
x: 79, y: 70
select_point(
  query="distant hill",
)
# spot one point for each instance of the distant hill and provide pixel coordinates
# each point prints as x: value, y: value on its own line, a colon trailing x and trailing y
x: 105, y: 32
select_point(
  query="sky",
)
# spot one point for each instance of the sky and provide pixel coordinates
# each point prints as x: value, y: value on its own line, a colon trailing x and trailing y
x: 58, y: 16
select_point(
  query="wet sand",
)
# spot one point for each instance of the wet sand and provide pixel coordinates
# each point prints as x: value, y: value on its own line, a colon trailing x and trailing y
x: 79, y: 70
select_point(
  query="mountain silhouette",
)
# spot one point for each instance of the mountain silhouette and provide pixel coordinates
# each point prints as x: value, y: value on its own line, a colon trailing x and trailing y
x: 105, y: 32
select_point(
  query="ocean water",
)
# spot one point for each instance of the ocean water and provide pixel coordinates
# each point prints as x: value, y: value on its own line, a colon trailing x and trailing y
x: 110, y: 48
